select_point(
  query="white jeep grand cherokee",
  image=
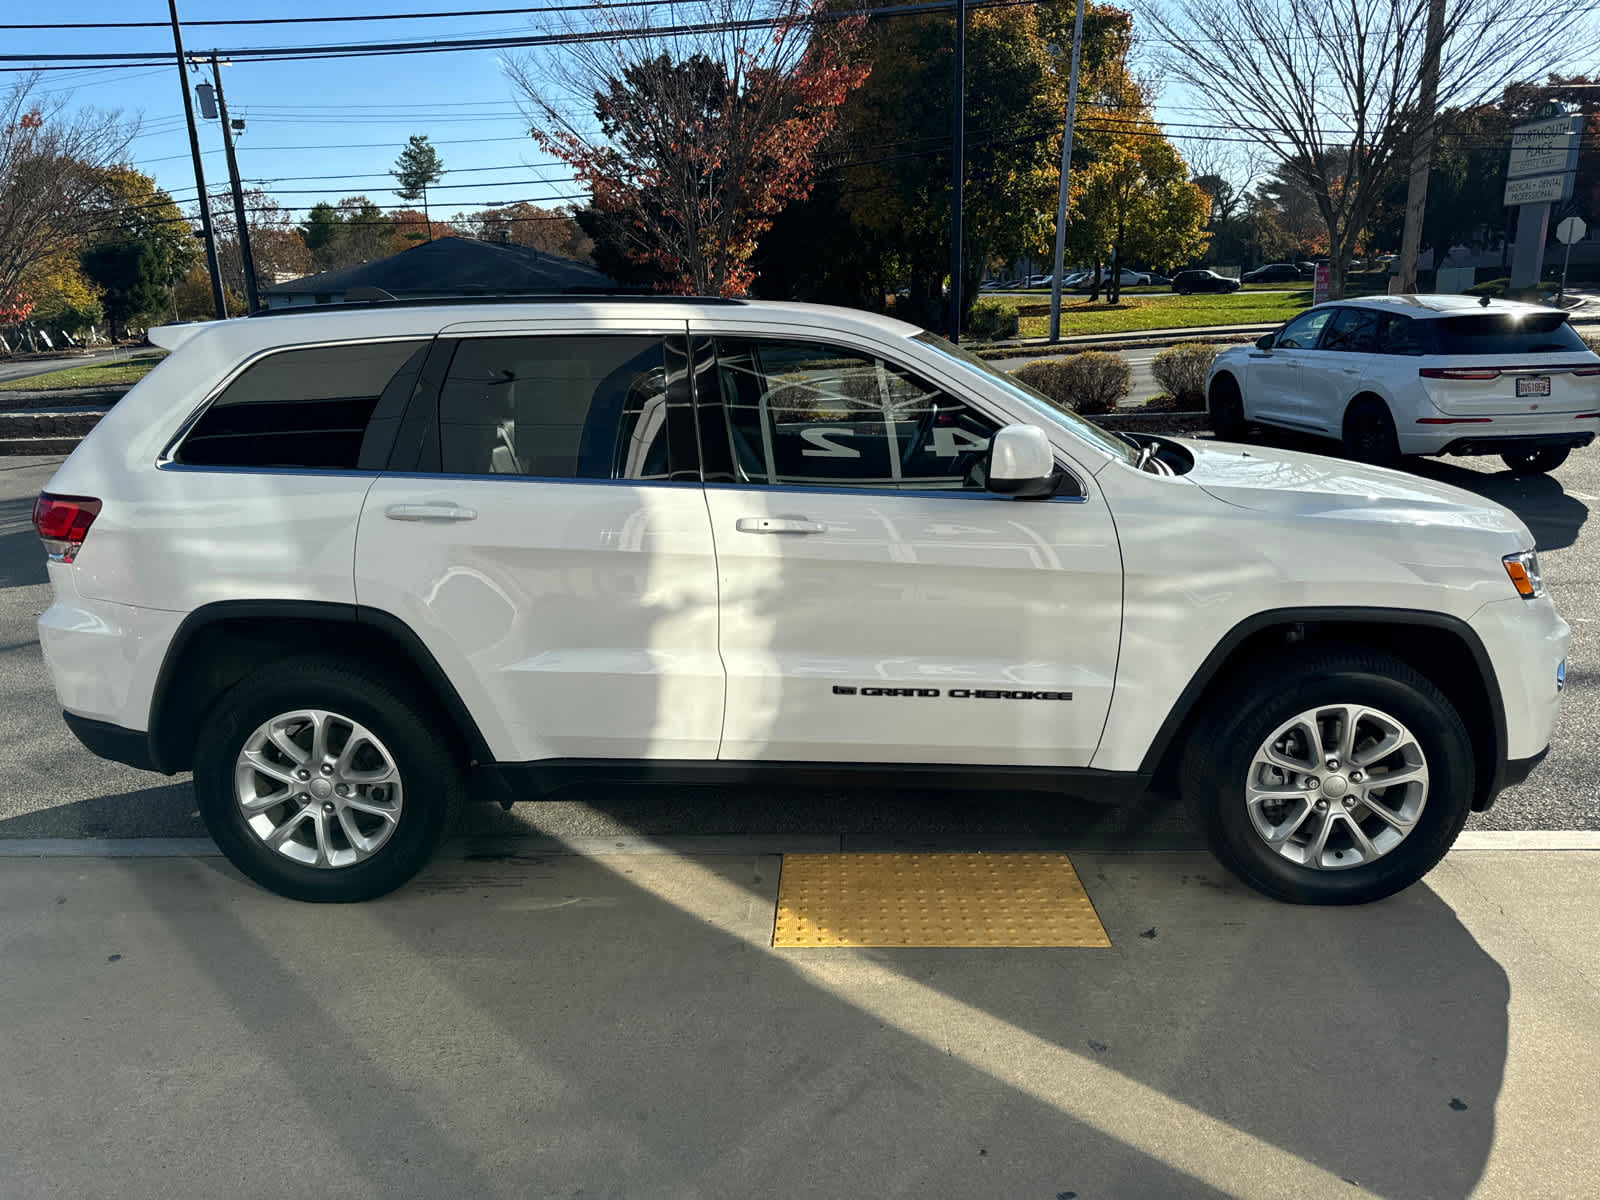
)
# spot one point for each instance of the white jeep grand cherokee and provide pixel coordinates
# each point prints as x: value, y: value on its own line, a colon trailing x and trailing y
x: 339, y: 563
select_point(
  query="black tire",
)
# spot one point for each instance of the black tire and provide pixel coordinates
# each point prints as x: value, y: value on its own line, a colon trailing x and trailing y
x: 1226, y: 407
x: 1220, y: 751
x: 424, y: 752
x: 1536, y: 462
x: 1369, y: 434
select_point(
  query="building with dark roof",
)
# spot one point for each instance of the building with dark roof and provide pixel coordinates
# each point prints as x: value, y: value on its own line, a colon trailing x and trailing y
x: 449, y: 267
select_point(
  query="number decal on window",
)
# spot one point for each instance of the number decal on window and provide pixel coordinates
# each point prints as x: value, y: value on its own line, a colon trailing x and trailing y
x: 949, y: 442
x: 818, y: 445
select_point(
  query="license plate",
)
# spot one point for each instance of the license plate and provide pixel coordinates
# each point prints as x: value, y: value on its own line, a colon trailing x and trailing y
x: 1533, y: 385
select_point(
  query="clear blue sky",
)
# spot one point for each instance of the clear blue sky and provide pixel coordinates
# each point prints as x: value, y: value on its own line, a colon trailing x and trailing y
x: 335, y: 117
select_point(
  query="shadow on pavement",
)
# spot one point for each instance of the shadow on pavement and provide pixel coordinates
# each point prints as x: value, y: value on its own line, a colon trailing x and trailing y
x: 164, y: 811
x: 565, y: 1026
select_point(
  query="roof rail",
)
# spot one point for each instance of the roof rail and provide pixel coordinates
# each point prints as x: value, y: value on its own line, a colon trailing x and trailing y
x: 566, y: 297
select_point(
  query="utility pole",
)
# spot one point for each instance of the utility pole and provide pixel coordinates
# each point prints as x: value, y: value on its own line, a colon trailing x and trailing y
x: 252, y: 300
x: 199, y: 168
x: 1422, y: 153
x: 958, y: 170
x: 1066, y: 170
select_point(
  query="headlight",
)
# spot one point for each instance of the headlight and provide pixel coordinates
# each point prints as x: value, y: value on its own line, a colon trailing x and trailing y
x: 1523, y: 568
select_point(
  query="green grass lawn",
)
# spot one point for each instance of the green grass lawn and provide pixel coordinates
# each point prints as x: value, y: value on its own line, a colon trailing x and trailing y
x: 120, y: 372
x: 1136, y: 313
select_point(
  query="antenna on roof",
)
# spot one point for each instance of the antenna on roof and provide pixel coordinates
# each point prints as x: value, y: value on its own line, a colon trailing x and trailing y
x: 1483, y: 301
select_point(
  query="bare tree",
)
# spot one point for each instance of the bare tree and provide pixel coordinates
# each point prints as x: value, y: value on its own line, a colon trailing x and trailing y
x: 51, y: 159
x: 695, y: 132
x: 1333, y: 89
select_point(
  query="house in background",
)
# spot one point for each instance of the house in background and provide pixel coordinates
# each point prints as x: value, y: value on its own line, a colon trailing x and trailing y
x: 448, y: 268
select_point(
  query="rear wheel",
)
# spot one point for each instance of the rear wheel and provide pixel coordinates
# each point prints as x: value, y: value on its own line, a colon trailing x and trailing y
x: 1369, y: 434
x: 1536, y: 462
x: 1339, y: 780
x: 322, y: 781
x: 1227, y: 409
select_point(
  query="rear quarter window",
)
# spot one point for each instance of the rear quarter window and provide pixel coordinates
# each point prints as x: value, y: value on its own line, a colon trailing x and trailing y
x: 1505, y: 333
x: 317, y: 407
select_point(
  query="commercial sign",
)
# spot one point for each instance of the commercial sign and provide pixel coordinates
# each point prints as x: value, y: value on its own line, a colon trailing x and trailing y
x: 1539, y: 189
x: 1321, y: 283
x: 1544, y: 147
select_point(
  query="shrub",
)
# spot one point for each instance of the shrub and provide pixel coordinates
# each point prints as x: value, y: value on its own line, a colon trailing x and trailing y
x: 1181, y: 371
x: 1090, y: 382
x: 992, y: 319
x: 1592, y: 340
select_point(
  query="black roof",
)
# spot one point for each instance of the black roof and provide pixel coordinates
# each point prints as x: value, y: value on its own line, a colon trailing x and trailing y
x: 458, y: 267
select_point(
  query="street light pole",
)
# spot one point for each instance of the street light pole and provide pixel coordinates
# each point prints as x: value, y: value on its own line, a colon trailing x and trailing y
x: 1066, y: 169
x: 199, y: 170
x: 958, y: 170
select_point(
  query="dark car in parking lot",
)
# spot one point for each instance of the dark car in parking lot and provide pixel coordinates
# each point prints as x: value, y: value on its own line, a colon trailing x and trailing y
x: 1185, y: 282
x: 1274, y: 273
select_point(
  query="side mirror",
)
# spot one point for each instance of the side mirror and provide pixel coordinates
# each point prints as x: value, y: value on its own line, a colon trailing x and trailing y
x: 1022, y: 464
x: 1265, y: 341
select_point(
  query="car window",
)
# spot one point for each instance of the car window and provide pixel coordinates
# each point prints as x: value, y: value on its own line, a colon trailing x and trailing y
x: 1302, y: 332
x: 1505, y: 333
x: 320, y: 407
x: 1398, y: 334
x: 808, y: 414
x: 565, y: 407
x: 1353, y: 330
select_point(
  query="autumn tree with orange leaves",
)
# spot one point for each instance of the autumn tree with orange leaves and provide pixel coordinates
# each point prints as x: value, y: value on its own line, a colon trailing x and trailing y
x: 695, y: 138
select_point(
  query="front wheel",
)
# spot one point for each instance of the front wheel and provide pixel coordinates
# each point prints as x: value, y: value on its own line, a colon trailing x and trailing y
x: 1536, y: 462
x: 1340, y: 780
x: 324, y: 782
x: 1227, y: 409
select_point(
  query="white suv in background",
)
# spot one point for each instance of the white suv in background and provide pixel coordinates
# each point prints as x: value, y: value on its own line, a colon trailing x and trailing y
x: 1396, y: 375
x: 341, y: 564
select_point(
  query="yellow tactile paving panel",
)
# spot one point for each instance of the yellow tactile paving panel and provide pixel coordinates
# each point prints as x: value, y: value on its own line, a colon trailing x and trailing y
x: 933, y: 900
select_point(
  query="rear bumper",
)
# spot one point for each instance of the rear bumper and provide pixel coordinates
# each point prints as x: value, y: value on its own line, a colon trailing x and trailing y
x: 128, y: 746
x: 1516, y: 443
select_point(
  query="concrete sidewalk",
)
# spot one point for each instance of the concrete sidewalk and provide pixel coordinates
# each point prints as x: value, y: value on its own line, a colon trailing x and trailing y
x: 619, y: 1025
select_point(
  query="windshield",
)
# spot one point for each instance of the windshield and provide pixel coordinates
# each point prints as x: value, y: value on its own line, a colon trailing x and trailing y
x: 1035, y: 400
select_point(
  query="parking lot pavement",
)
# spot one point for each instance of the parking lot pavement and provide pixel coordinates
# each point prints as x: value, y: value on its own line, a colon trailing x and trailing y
x: 620, y: 1026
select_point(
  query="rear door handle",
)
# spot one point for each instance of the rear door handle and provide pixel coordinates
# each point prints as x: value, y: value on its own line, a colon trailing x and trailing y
x: 779, y: 525
x: 430, y: 512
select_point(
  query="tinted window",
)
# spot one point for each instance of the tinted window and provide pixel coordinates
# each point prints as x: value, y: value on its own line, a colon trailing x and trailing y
x: 807, y: 414
x: 1505, y: 333
x: 1354, y: 330
x: 308, y: 408
x: 1301, y: 333
x: 563, y: 408
x: 1398, y: 334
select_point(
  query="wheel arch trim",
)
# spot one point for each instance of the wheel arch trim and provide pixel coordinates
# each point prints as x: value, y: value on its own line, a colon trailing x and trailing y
x: 1210, y: 670
x: 163, y: 754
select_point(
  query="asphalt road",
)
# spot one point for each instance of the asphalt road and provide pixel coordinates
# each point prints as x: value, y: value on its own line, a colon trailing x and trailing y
x: 51, y: 787
x: 43, y: 366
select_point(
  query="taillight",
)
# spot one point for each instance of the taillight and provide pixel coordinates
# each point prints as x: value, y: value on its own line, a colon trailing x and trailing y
x: 1586, y: 371
x: 63, y: 522
x: 1459, y: 372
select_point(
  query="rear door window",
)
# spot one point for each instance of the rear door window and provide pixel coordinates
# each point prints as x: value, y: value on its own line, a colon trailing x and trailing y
x: 566, y: 407
x: 1505, y: 333
x: 321, y: 407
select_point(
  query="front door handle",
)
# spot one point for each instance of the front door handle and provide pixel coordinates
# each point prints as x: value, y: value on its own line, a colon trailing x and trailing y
x: 430, y: 512
x: 779, y: 525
